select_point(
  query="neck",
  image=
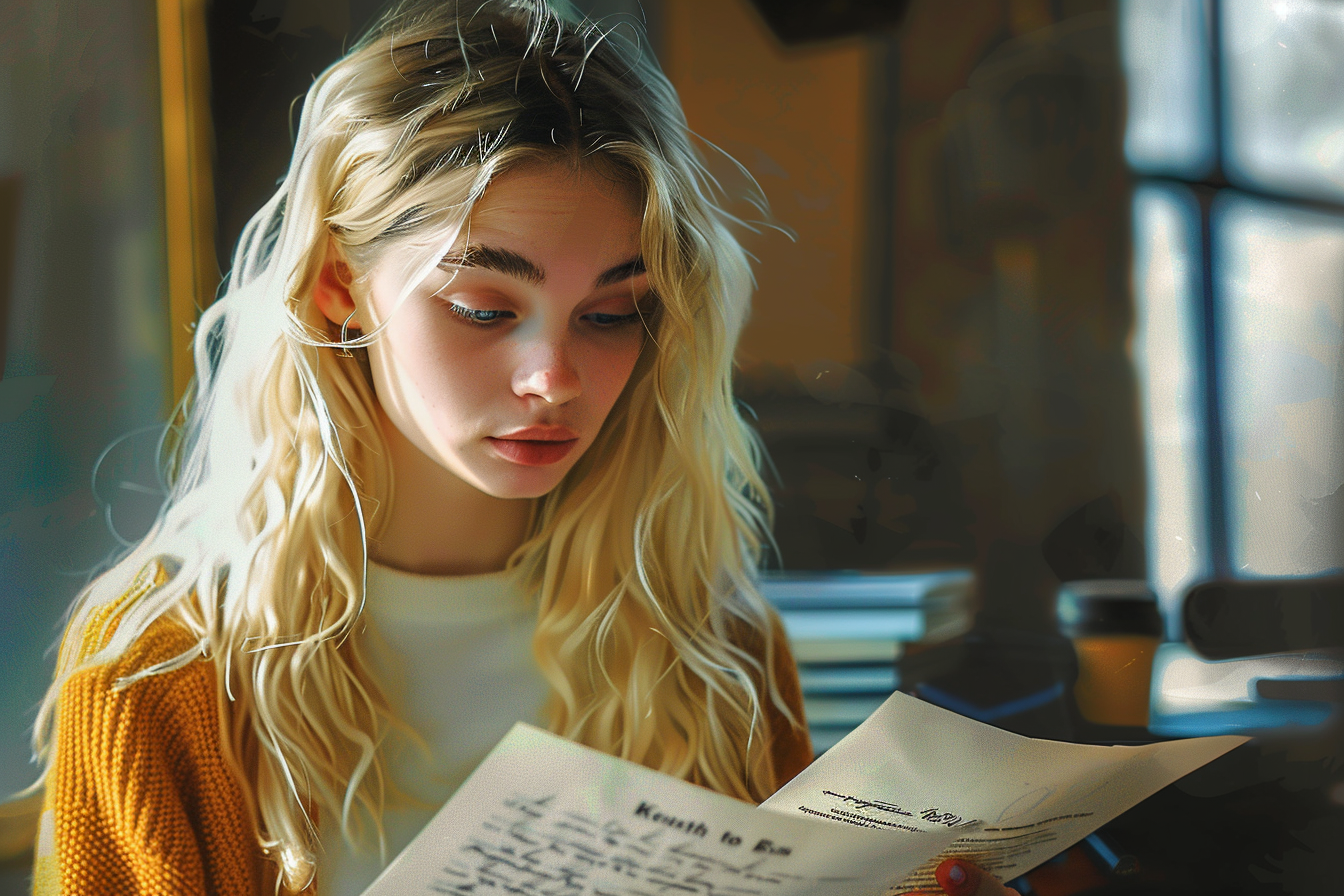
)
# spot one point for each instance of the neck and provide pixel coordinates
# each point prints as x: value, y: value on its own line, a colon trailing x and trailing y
x: 438, y: 524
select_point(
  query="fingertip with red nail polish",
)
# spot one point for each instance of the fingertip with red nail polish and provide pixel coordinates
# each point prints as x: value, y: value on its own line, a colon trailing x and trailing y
x: 957, y: 878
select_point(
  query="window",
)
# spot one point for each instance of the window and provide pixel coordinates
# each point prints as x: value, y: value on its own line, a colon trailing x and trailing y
x: 1236, y: 137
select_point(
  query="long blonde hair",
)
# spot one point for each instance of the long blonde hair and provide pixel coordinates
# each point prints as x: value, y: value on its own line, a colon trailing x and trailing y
x: 653, y: 638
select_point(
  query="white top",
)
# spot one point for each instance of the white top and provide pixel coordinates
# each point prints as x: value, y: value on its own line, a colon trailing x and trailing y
x: 454, y: 655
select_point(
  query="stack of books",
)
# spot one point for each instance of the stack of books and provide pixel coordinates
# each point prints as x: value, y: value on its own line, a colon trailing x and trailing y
x: 848, y: 632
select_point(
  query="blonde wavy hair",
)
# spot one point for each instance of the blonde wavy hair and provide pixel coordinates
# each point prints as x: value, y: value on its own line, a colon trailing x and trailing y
x: 651, y: 633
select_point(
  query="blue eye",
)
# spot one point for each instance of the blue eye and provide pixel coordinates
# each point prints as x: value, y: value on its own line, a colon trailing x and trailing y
x: 478, y: 316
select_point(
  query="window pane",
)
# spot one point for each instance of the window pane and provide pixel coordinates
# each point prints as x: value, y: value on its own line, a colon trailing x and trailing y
x: 1283, y: 69
x: 1165, y: 48
x: 1168, y: 355
x: 1279, y: 285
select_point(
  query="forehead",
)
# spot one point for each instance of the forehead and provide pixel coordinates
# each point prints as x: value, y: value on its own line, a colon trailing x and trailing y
x: 549, y: 205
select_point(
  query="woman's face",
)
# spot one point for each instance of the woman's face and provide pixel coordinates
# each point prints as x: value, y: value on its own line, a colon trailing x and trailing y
x: 503, y: 364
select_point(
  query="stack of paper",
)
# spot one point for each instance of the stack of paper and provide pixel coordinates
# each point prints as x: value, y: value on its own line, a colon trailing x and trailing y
x: 848, y: 631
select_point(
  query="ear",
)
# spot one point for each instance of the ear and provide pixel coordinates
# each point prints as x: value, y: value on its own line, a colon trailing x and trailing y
x: 331, y: 291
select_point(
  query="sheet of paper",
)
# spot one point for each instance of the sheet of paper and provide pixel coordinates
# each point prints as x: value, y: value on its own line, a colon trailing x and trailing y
x: 920, y: 771
x: 542, y: 815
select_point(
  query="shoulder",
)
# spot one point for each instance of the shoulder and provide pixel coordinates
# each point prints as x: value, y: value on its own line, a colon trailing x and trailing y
x: 158, y: 682
x: 97, y: 629
x: 159, y: 690
x: 128, y: 700
x: 138, y: 783
x: 790, y: 743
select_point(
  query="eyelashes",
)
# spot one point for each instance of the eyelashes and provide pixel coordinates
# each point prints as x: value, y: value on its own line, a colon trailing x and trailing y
x: 613, y: 320
x: 485, y: 317
x: 478, y: 316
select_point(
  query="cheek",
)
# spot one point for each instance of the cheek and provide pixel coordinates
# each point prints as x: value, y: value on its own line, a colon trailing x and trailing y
x: 431, y: 351
x: 615, y: 368
x: 421, y: 369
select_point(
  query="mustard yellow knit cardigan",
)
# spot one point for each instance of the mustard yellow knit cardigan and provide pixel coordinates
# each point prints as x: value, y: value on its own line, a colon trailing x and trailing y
x: 138, y: 797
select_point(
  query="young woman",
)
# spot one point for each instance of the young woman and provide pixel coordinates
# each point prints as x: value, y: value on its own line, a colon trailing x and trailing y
x: 462, y: 451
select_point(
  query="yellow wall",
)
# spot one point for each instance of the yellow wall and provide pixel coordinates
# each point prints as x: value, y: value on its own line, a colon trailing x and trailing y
x: 795, y: 121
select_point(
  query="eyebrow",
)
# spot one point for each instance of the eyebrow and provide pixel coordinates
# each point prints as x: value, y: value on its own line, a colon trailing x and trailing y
x: 513, y: 264
x: 632, y: 268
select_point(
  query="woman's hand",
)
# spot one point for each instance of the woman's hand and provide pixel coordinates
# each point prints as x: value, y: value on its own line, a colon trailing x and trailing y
x: 959, y: 877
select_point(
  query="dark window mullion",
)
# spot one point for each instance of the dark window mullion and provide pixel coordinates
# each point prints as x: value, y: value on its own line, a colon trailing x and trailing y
x: 1214, y: 443
x: 1216, y: 98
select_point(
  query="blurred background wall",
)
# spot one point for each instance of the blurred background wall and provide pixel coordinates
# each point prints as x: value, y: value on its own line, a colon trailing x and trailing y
x: 954, y: 305
x: 83, y: 323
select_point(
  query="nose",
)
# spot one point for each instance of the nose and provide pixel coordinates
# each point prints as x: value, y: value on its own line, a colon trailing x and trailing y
x: 547, y: 370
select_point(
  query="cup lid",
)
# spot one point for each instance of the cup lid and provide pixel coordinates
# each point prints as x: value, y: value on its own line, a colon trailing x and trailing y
x: 1107, y: 607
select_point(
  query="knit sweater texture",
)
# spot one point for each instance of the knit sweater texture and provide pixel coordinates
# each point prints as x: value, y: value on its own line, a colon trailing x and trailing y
x: 139, y: 800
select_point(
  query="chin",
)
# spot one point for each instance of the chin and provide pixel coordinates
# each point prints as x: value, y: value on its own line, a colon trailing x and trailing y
x: 520, y: 494
x: 530, y: 484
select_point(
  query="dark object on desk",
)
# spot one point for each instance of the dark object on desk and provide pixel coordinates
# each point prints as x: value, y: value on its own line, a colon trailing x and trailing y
x: 1019, y: 681
x: 1249, y: 618
x: 1095, y: 866
x: 1260, y: 657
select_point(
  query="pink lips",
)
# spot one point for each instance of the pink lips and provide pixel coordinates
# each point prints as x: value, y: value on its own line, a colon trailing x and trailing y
x: 535, y: 446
